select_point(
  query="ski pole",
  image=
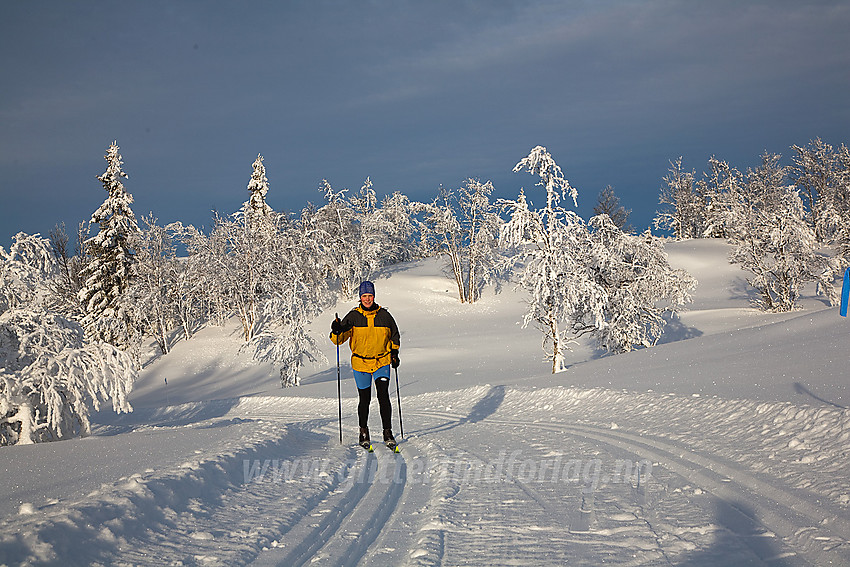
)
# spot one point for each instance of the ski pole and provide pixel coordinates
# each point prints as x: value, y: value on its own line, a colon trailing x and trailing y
x: 338, y: 384
x: 398, y: 395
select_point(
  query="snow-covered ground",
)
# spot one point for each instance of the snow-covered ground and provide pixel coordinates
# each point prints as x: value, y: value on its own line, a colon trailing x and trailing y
x: 727, y: 444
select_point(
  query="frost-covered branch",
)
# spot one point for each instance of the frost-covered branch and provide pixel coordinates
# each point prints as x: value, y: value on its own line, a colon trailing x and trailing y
x: 50, y: 380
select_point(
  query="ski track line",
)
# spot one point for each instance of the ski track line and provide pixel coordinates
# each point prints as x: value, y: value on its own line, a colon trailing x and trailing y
x: 250, y: 513
x: 393, y: 544
x: 304, y: 539
x: 360, y: 522
x: 779, y: 510
x: 434, y: 548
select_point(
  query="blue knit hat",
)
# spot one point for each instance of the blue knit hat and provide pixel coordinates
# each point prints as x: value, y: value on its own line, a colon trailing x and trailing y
x: 367, y: 287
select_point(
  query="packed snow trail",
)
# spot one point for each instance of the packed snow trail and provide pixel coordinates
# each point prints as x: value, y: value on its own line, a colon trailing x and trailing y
x: 487, y: 475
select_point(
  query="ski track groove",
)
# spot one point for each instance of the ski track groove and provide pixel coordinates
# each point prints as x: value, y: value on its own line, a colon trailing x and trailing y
x: 799, y: 522
x: 312, y: 537
x: 255, y: 514
x: 358, y: 524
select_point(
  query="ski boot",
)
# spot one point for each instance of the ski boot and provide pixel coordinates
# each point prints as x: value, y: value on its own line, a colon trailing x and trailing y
x: 364, y: 439
x: 389, y: 440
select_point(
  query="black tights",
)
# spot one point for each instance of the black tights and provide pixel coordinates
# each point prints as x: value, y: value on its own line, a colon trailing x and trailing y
x: 382, y: 387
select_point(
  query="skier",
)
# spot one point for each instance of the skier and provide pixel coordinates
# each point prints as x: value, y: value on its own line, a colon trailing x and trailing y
x: 374, y: 343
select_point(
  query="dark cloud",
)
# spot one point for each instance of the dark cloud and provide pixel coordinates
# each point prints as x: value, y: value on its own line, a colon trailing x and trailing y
x: 413, y: 94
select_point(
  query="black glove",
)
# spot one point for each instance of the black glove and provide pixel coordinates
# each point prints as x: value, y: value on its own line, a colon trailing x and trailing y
x: 336, y: 327
x: 394, y: 361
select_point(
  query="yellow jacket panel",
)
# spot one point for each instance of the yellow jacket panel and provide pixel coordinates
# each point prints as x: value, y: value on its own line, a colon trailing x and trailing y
x: 371, y: 334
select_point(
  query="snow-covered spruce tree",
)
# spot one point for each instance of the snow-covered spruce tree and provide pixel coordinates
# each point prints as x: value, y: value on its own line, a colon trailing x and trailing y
x: 546, y: 240
x: 635, y: 283
x: 773, y: 240
x: 242, y: 250
x: 259, y: 187
x: 270, y: 273
x: 608, y: 203
x: 106, y: 274
x: 50, y: 380
x: 684, y: 207
x: 463, y: 226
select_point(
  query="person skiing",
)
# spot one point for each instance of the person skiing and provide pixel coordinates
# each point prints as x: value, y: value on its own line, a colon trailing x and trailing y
x: 374, y: 341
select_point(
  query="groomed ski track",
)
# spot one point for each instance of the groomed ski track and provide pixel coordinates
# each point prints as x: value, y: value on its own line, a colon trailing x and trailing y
x: 486, y: 476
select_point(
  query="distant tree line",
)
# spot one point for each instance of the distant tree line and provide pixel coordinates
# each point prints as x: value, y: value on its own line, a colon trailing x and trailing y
x: 73, y: 321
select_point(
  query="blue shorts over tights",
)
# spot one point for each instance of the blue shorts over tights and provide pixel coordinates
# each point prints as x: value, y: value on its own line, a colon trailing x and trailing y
x: 364, y: 379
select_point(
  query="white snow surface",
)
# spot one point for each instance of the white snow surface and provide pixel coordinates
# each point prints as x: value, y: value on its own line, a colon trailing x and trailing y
x: 727, y: 444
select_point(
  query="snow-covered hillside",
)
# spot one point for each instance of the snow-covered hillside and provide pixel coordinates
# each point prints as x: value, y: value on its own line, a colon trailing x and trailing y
x: 724, y: 445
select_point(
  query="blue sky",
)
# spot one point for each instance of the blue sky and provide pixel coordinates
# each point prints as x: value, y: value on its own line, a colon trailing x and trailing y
x: 412, y: 94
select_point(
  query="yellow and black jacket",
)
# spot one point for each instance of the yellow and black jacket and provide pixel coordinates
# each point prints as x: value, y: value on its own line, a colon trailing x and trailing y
x: 373, y: 334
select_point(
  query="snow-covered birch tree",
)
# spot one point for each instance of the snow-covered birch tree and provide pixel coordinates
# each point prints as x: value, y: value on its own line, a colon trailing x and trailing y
x: 24, y: 268
x: 369, y: 231
x: 822, y: 174
x: 202, y: 282
x: 50, y: 379
x: 68, y: 281
x: 547, y: 240
x: 635, y: 287
x: 338, y: 236
x: 243, y: 268
x: 683, y: 206
x: 717, y: 190
x: 587, y: 279
x: 481, y: 225
x: 464, y: 226
x: 290, y: 306
x: 773, y: 240
x: 443, y: 231
x: 397, y: 229
x: 151, y: 298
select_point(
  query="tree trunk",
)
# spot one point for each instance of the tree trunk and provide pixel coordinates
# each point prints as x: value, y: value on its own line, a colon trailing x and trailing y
x: 24, y: 416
